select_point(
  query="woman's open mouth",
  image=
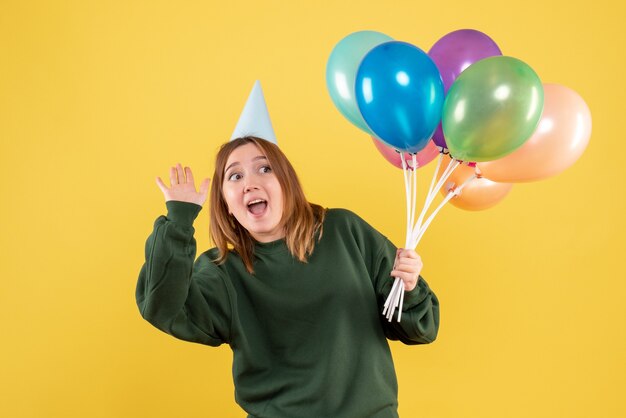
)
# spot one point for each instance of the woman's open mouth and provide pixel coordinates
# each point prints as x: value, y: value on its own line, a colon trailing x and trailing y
x: 257, y: 206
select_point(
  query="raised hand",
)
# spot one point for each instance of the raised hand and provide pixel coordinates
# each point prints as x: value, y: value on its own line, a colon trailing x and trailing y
x: 182, y: 186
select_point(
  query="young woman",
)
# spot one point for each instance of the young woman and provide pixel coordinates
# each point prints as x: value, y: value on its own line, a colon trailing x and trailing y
x: 296, y: 290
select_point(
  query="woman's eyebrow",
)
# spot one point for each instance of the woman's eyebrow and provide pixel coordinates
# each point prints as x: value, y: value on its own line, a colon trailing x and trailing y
x: 232, y: 165
x: 260, y: 157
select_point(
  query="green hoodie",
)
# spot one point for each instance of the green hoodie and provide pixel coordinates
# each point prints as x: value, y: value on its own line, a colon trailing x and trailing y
x: 308, y: 339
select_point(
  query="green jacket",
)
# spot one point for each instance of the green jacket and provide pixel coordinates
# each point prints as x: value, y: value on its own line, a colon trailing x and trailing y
x: 308, y: 339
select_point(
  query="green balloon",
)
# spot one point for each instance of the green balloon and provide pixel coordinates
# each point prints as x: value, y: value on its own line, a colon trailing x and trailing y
x: 492, y: 108
x: 341, y: 69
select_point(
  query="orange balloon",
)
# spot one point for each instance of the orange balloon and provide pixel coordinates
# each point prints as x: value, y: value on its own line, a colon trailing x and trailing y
x: 559, y: 140
x: 478, y: 194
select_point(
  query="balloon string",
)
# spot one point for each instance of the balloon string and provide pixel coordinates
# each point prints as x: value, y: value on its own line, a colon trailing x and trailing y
x: 392, y: 299
x: 391, y: 302
x: 388, y: 301
x: 414, y: 197
x: 449, y: 196
x: 447, y: 172
x: 432, y: 182
x: 416, y: 230
x: 431, y: 193
x: 401, y: 303
x: 398, y: 297
x: 431, y: 196
x: 395, y: 299
x: 407, y: 192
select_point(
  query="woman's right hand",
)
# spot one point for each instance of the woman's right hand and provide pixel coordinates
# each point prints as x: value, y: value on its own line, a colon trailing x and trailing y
x: 182, y: 186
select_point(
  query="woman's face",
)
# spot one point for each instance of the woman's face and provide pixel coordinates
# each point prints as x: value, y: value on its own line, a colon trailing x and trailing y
x: 253, y: 194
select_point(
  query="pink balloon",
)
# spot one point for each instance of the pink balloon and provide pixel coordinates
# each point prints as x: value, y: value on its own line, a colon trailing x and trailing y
x: 426, y: 155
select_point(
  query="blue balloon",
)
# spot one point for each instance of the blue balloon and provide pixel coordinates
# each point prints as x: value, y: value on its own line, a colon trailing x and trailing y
x: 400, y: 95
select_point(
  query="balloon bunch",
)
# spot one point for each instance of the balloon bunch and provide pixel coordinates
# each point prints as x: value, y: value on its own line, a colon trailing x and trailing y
x: 488, y: 117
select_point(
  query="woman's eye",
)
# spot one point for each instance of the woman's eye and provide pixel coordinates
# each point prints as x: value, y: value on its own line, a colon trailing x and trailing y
x: 266, y: 169
x: 234, y: 177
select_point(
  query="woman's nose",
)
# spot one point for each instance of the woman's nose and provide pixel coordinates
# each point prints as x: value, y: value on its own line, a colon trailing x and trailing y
x: 249, y: 187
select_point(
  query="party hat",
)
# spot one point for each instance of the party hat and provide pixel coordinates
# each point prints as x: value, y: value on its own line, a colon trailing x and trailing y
x: 255, y: 119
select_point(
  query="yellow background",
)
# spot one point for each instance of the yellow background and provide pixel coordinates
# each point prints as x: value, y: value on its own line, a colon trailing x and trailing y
x: 98, y: 98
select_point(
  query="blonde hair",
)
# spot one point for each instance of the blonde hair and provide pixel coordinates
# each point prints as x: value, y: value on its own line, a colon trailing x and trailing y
x: 301, y: 219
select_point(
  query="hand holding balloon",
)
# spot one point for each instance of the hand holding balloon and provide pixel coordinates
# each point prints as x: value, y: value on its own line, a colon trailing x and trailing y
x: 407, y: 267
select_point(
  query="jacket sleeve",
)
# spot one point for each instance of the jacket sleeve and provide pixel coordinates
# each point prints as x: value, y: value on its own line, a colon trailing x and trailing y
x: 420, y: 311
x: 186, y: 299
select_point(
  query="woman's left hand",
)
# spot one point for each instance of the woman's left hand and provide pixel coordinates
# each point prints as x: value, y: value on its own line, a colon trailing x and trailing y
x: 407, y: 267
